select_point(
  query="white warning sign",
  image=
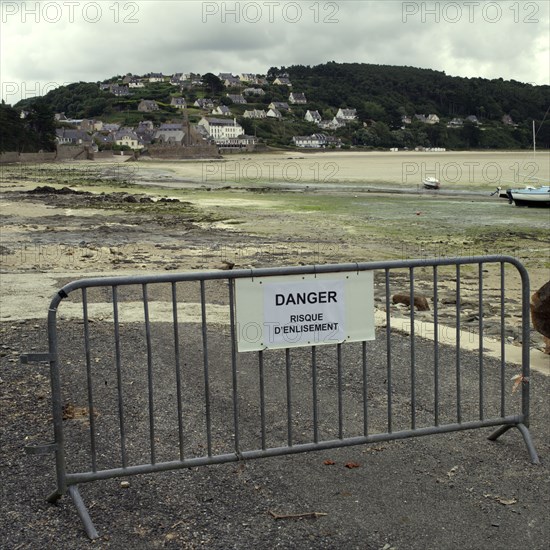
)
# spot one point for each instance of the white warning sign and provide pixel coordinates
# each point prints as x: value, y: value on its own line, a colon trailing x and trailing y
x: 304, y: 310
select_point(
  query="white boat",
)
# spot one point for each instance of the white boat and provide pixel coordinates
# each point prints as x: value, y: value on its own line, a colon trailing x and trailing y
x: 431, y: 183
x: 530, y: 196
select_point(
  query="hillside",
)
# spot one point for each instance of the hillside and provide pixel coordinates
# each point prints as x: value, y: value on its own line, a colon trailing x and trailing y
x: 386, y: 100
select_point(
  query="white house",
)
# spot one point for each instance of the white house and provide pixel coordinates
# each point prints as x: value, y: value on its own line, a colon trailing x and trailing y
x: 282, y: 81
x: 178, y: 102
x: 279, y: 105
x: 347, y: 114
x: 313, y: 141
x: 221, y: 130
x: 313, y: 116
x: 297, y: 98
x: 255, y: 113
x: 222, y: 110
x: 274, y: 113
x: 128, y: 138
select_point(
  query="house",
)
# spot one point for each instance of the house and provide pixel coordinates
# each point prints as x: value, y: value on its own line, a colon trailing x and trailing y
x: 204, y: 103
x: 313, y: 116
x: 347, y: 114
x: 126, y: 137
x: 247, y: 77
x: 406, y: 119
x: 507, y: 119
x: 473, y: 119
x: 119, y: 91
x: 222, y: 110
x: 237, y: 98
x: 297, y: 98
x: 178, y: 102
x: 313, y: 141
x: 110, y: 127
x: 455, y: 123
x: 282, y: 81
x: 332, y: 124
x: 255, y: 113
x: 147, y: 106
x: 105, y: 140
x: 432, y: 119
x: 232, y: 82
x: 241, y: 141
x: 279, y: 105
x: 145, y: 132
x: 253, y: 91
x: 169, y: 136
x: 136, y: 83
x: 274, y: 113
x: 221, y: 130
x: 155, y: 77
x: 68, y: 136
x: 169, y: 126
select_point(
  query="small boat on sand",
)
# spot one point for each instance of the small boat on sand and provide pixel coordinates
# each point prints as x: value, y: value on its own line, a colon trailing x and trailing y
x: 538, y: 197
x: 431, y: 183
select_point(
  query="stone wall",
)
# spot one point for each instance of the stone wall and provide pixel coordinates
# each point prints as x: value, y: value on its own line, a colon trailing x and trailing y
x: 177, y: 152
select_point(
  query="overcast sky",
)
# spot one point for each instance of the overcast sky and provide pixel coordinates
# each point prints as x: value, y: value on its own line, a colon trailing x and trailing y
x: 49, y: 43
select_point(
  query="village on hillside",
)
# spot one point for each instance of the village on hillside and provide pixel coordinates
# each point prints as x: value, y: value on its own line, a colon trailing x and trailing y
x: 212, y: 114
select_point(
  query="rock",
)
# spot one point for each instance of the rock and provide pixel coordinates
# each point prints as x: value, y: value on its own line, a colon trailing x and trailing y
x: 540, y: 313
x: 420, y: 301
x: 226, y: 265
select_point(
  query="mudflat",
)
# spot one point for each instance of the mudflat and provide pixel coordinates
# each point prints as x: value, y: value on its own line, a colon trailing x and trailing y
x: 259, y: 211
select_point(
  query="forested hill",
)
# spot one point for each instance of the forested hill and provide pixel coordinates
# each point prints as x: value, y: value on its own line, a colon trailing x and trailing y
x: 466, y: 113
x: 385, y: 92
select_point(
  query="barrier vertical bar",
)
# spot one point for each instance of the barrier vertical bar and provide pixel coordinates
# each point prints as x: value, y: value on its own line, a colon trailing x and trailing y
x: 458, y: 380
x: 413, y: 352
x: 262, y: 396
x: 177, y: 366
x: 502, y: 346
x: 340, y: 398
x: 365, y: 387
x: 149, y: 373
x: 288, y: 397
x: 436, y: 346
x: 205, y: 368
x: 388, y: 349
x: 119, y: 378
x: 480, y: 354
x: 314, y: 396
x: 89, y: 382
x: 234, y: 365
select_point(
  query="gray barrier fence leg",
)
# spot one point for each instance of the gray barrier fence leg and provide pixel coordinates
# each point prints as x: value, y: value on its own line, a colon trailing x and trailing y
x: 83, y: 512
x: 526, y: 437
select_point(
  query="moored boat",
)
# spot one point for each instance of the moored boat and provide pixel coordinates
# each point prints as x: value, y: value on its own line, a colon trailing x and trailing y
x: 431, y: 183
x: 538, y: 197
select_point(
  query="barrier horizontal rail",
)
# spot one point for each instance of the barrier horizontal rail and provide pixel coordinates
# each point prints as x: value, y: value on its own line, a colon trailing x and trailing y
x: 159, y: 391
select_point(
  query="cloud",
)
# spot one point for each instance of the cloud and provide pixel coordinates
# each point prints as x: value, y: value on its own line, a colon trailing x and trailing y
x: 47, y: 42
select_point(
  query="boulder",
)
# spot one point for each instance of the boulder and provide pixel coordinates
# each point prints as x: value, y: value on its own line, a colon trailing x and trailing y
x: 540, y: 313
x: 420, y: 301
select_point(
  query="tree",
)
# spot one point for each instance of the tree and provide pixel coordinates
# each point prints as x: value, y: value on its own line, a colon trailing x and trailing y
x: 212, y: 83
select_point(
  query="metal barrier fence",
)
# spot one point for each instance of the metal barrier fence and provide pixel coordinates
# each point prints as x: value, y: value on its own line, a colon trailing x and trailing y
x: 150, y: 378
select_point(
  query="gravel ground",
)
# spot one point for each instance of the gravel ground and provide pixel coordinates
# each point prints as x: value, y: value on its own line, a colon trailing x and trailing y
x: 441, y: 491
